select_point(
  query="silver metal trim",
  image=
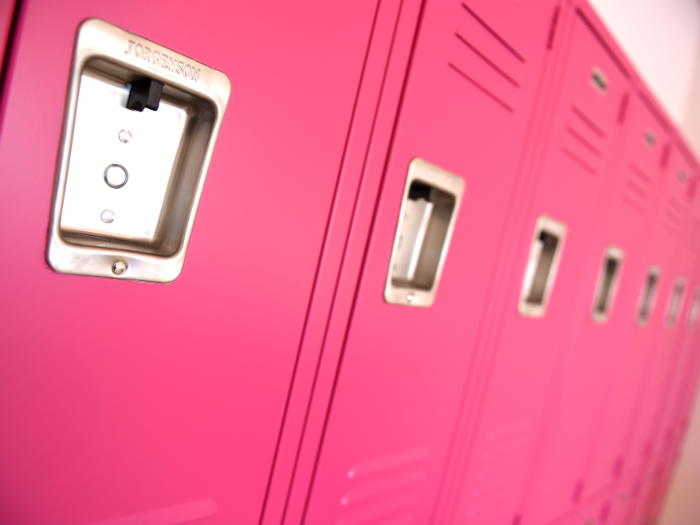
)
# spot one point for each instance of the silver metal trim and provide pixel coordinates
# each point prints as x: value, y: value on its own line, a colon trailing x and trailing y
x: 557, y: 229
x: 440, y: 179
x: 100, y: 41
x: 610, y: 253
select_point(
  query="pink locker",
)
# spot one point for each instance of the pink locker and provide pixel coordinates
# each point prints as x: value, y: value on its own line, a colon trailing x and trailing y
x: 669, y: 250
x: 668, y: 419
x: 593, y: 512
x: 604, y: 313
x: 617, y: 507
x: 686, y: 396
x: 588, y: 96
x: 466, y: 108
x: 127, y: 402
x: 643, y: 306
x: 655, y: 484
x: 688, y: 383
x: 666, y: 426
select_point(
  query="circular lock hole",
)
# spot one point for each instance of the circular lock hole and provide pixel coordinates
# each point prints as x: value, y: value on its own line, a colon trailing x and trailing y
x: 116, y: 176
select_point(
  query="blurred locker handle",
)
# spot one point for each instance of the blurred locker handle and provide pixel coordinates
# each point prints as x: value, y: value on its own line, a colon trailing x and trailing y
x: 428, y: 214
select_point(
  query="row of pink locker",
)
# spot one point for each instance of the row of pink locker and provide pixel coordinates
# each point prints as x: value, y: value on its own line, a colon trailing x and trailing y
x: 444, y: 270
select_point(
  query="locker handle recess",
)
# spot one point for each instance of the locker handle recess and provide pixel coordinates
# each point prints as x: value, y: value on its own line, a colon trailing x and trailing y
x: 129, y: 181
x: 431, y: 201
x: 675, y: 301
x: 648, y: 295
x: 542, y: 266
x: 606, y: 286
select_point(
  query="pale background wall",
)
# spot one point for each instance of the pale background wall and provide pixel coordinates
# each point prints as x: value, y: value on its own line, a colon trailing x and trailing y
x: 662, y: 39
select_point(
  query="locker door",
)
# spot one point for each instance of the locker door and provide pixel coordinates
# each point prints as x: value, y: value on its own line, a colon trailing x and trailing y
x: 594, y: 512
x: 584, y: 382
x: 144, y: 403
x: 574, y: 169
x: 658, y: 498
x: 654, y: 483
x: 667, y: 422
x: 643, y: 438
x: 610, y: 458
x: 618, y: 504
x: 466, y: 108
x: 686, y: 388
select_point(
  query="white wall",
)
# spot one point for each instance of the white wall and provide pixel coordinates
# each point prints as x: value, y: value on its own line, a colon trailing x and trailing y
x: 661, y: 38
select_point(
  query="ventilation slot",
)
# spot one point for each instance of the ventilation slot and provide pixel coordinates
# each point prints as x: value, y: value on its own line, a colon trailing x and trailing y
x: 648, y: 295
x: 584, y: 141
x: 607, y: 284
x: 675, y: 303
x: 542, y: 266
x: 486, y: 60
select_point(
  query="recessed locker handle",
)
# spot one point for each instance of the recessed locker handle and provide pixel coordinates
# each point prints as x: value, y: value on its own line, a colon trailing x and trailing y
x: 140, y: 126
x: 542, y: 266
x: 675, y: 302
x: 606, y: 286
x: 648, y: 297
x: 694, y: 312
x: 429, y: 209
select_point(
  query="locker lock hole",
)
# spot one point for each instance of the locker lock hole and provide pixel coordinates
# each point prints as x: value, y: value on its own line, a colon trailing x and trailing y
x: 648, y: 295
x: 607, y: 284
x: 542, y: 266
x: 428, y: 211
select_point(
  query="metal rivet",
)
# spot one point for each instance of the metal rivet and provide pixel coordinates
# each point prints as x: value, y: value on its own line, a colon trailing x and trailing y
x: 119, y: 267
x: 116, y: 176
x: 125, y: 136
x: 107, y: 216
x: 410, y: 298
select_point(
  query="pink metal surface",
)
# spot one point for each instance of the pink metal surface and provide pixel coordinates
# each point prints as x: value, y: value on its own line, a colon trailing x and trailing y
x: 657, y: 340
x: 574, y: 167
x: 616, y: 506
x: 666, y: 425
x: 610, y: 457
x: 403, y: 369
x: 597, y: 510
x: 163, y: 403
x: 585, y: 380
x: 271, y: 383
